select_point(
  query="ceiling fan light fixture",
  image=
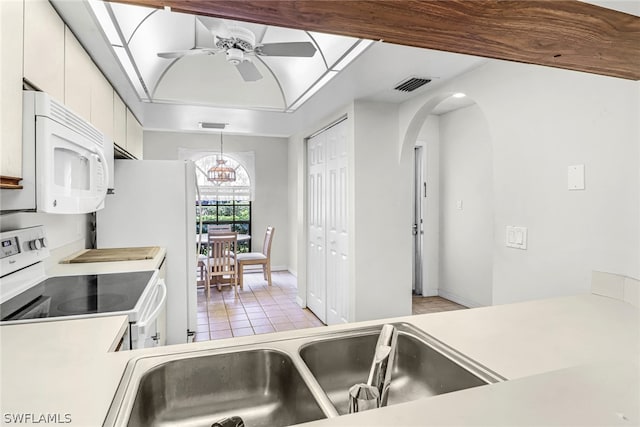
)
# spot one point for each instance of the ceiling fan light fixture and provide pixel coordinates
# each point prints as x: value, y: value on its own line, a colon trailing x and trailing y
x: 235, y: 56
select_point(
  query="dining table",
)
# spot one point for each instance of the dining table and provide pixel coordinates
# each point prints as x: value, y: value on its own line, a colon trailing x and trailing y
x: 203, y: 238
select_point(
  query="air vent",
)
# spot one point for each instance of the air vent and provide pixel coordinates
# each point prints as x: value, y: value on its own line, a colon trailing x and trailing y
x: 411, y: 84
x: 209, y: 125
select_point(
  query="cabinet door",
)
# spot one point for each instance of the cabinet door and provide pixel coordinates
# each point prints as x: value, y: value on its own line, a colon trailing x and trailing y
x: 134, y: 136
x: 101, y: 103
x: 11, y: 13
x: 119, y: 122
x: 44, y: 48
x: 77, y: 77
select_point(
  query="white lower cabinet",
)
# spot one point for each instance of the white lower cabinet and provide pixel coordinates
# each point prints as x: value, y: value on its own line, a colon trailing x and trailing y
x: 328, y: 287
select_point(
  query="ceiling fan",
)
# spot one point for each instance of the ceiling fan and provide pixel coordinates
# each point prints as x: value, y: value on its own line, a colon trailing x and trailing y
x: 239, y: 44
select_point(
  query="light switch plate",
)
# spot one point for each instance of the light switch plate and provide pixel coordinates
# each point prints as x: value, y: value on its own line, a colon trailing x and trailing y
x: 516, y: 237
x: 575, y: 177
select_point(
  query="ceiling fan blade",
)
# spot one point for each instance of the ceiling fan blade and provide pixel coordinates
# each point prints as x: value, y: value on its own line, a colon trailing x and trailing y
x: 189, y: 52
x: 299, y: 49
x: 249, y: 71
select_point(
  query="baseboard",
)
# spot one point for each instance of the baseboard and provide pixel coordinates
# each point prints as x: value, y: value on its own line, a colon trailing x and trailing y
x: 293, y: 273
x: 458, y: 299
x: 300, y: 302
x: 430, y: 293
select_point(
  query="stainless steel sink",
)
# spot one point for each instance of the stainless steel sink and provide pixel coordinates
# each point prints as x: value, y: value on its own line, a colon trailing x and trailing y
x: 423, y: 366
x: 283, y: 382
x: 263, y: 387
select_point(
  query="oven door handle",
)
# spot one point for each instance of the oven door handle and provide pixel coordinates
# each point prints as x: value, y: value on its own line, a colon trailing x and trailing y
x: 144, y: 322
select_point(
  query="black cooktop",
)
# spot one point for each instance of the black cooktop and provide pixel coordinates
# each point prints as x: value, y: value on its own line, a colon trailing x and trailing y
x: 77, y: 295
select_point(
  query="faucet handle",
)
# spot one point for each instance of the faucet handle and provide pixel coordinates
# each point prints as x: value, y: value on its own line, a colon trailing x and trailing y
x: 363, y: 397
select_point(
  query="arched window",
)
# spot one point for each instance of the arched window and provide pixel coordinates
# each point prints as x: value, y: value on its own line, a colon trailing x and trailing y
x: 238, y: 190
x: 225, y: 203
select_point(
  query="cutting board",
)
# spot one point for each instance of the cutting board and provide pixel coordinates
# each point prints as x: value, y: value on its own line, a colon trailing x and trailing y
x: 113, y: 254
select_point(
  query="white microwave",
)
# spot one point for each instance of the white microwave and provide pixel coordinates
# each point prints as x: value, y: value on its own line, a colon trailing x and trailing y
x: 65, y: 161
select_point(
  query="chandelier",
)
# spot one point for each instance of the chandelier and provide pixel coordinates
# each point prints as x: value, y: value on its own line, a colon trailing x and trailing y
x: 221, y: 172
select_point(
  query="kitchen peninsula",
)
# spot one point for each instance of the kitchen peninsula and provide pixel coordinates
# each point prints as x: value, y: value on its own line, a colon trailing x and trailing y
x: 567, y: 361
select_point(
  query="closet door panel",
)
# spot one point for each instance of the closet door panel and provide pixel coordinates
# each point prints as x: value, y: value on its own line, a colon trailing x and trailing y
x: 316, y: 251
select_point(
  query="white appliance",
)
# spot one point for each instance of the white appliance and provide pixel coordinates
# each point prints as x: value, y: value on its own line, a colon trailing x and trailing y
x: 66, y: 161
x: 154, y: 205
x: 27, y: 295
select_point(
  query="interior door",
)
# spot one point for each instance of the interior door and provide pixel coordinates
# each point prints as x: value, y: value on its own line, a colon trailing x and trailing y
x: 337, y: 279
x: 419, y: 190
x: 316, y: 250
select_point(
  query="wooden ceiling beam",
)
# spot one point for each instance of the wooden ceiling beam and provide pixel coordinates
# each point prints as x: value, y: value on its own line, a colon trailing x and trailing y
x: 565, y: 34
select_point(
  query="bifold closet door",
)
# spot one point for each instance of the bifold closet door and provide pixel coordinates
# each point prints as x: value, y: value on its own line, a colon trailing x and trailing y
x: 316, y: 247
x: 327, y: 270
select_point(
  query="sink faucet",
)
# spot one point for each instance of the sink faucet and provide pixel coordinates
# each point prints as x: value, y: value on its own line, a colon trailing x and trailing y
x: 375, y: 392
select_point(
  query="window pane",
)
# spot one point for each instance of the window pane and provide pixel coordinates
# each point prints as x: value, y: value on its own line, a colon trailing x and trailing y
x: 208, y: 213
x: 241, y: 228
x: 225, y: 213
x: 242, y: 213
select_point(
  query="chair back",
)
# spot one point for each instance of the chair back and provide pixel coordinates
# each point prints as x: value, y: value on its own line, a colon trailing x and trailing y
x: 219, y: 227
x: 268, y: 238
x: 221, y: 249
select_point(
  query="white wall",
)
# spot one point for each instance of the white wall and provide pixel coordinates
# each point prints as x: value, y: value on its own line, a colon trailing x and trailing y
x: 466, y: 230
x: 541, y: 121
x: 382, y: 214
x: 270, y: 206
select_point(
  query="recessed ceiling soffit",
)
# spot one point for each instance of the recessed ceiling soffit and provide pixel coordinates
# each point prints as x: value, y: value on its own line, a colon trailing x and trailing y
x: 220, y: 62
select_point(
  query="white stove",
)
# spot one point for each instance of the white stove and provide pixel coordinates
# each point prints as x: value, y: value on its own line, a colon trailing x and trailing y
x: 28, y: 295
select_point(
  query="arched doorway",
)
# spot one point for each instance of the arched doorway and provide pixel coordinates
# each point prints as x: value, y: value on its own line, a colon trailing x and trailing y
x: 453, y: 200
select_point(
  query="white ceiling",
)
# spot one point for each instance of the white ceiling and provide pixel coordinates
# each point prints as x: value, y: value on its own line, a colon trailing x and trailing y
x: 371, y: 76
x: 632, y: 7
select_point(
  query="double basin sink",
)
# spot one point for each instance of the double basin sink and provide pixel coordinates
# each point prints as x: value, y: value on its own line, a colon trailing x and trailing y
x: 285, y: 382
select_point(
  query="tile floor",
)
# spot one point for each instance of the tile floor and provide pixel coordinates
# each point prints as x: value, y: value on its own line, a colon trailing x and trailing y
x: 261, y: 309
x: 425, y: 305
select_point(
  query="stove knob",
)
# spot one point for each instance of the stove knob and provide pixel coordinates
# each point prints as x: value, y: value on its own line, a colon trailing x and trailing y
x: 35, y: 244
x: 44, y: 242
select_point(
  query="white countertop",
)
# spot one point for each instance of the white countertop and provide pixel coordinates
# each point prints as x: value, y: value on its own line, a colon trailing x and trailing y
x: 570, y: 361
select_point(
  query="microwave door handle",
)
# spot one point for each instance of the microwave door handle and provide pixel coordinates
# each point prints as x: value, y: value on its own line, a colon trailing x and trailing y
x: 105, y: 175
x: 154, y: 314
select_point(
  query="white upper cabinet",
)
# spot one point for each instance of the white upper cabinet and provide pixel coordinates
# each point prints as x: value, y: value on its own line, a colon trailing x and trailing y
x: 101, y: 103
x: 119, y: 122
x: 11, y: 14
x: 77, y: 77
x: 134, y: 136
x: 44, y: 48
